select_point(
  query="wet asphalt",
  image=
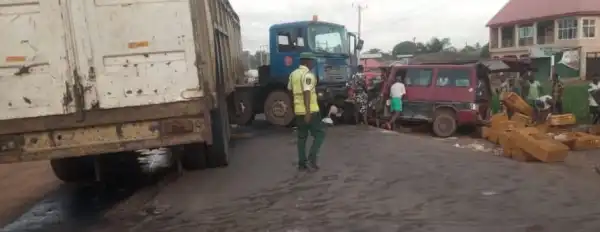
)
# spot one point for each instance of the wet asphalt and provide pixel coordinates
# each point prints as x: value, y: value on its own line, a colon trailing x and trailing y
x: 70, y: 208
x: 75, y: 208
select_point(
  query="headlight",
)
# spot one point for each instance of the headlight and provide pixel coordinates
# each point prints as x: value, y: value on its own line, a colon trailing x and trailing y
x: 320, y: 94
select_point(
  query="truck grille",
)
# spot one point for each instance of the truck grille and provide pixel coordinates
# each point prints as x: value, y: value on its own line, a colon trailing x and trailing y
x: 336, y: 73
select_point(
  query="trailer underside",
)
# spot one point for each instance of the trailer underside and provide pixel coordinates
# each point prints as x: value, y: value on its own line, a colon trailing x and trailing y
x: 105, y: 131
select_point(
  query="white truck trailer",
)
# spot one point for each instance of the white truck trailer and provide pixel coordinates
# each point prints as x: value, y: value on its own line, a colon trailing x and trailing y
x: 81, y: 79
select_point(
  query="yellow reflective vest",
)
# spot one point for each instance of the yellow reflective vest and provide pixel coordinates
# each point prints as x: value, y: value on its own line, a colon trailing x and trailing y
x: 302, y: 80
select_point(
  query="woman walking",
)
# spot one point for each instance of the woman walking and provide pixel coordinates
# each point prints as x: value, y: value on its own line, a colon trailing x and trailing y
x: 361, y: 99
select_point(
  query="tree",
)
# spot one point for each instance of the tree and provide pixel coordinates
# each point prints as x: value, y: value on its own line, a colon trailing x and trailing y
x: 405, y: 47
x: 261, y: 57
x: 422, y: 48
x: 436, y: 44
x: 485, y: 51
x: 374, y: 51
x: 469, y: 49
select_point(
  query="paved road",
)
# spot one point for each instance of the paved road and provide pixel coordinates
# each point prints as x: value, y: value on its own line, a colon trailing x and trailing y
x: 372, y: 181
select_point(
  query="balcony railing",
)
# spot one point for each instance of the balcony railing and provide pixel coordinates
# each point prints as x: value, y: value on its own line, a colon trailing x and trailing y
x: 494, y: 44
x: 526, y: 41
x: 545, y: 39
x: 508, y: 43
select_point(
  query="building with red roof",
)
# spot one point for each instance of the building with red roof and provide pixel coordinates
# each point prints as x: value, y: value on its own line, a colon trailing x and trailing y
x: 538, y: 29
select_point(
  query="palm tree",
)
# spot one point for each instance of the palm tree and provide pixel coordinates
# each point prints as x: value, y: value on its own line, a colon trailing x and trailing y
x: 438, y: 45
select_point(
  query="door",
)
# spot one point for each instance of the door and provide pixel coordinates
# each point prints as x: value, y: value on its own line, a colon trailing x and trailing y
x: 221, y: 130
x: 417, y: 103
x: 135, y: 52
x: 290, y: 42
x: 34, y: 66
x: 592, y: 65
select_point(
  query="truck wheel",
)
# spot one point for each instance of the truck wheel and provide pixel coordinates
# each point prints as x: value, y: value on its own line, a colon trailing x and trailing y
x: 74, y: 169
x: 246, y: 115
x: 278, y: 108
x: 194, y: 156
x: 348, y: 114
x: 444, y: 123
x: 119, y: 166
x: 218, y: 151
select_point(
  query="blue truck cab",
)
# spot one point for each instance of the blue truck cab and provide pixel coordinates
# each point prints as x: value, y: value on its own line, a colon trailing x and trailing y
x: 336, y: 51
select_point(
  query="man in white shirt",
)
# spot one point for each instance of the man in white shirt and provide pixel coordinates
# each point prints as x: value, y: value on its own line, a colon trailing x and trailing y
x: 397, y: 91
x: 594, y: 109
x: 543, y: 105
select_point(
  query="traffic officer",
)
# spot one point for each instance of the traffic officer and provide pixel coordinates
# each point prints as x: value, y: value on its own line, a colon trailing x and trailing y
x: 302, y: 83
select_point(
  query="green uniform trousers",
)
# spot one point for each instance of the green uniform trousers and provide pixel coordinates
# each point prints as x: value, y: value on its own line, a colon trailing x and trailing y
x: 317, y: 130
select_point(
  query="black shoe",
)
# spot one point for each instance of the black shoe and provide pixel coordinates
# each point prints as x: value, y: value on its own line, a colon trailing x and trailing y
x: 302, y: 168
x: 313, y: 166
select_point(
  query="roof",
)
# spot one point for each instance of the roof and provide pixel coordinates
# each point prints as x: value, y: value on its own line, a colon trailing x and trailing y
x: 444, y: 57
x: 370, y: 63
x: 516, y: 11
x: 302, y: 24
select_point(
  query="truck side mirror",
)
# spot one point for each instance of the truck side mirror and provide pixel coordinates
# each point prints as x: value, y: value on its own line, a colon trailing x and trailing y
x: 359, y: 45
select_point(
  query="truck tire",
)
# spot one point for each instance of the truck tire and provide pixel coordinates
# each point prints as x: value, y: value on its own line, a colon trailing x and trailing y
x: 278, y: 108
x: 247, y: 115
x: 194, y: 156
x: 74, y: 169
x: 218, y: 151
x: 444, y: 123
x: 348, y: 116
x: 119, y: 167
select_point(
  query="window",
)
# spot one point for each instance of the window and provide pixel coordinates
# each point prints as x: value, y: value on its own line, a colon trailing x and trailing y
x: 290, y: 40
x: 526, y: 35
x: 453, y: 78
x: 589, y: 28
x: 328, y: 38
x: 567, y: 28
x: 418, y: 77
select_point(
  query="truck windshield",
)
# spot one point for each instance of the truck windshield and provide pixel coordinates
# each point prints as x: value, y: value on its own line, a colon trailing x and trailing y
x: 328, y: 39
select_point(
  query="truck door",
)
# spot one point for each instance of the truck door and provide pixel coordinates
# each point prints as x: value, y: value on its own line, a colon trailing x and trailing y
x: 34, y: 66
x: 134, y: 52
x: 284, y: 56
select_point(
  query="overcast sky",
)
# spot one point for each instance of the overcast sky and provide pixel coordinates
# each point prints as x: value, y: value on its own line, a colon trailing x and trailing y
x: 385, y: 22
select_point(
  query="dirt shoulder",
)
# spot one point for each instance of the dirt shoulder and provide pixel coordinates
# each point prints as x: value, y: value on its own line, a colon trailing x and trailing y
x: 22, y: 185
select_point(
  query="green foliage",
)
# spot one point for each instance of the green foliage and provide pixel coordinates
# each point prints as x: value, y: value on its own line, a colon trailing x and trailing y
x: 406, y: 47
x: 436, y: 45
x: 374, y: 51
x: 485, y: 51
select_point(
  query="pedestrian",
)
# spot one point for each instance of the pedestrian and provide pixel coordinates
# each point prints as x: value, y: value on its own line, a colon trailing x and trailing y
x: 503, y: 89
x: 397, y: 92
x: 593, y: 89
x: 361, y: 98
x: 302, y: 83
x: 557, y: 94
x: 524, y: 78
x: 543, y: 106
x: 534, y: 90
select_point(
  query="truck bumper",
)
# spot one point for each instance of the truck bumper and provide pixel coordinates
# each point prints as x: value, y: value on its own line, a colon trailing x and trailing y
x: 124, y: 135
x: 332, y: 93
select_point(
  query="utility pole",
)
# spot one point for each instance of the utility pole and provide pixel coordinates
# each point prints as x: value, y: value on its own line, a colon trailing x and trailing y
x: 360, y: 7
